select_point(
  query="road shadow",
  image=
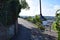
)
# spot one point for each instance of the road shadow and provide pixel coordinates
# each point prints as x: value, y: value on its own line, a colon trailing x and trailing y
x: 26, y: 34
x: 41, y: 36
x: 23, y: 33
x: 49, y: 37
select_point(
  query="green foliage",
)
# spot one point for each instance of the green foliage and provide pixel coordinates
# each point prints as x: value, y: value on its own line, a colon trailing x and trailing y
x: 24, y: 4
x: 54, y: 26
x: 59, y: 35
x: 36, y: 20
x: 58, y: 23
x: 10, y: 10
x: 30, y: 19
x: 40, y: 26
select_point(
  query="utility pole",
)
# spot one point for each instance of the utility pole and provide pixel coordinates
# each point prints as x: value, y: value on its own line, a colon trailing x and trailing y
x: 41, y: 16
x: 40, y: 8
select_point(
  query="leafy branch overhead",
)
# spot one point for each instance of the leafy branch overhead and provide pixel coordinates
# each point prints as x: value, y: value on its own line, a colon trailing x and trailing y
x: 24, y: 4
x: 10, y: 10
x: 56, y: 24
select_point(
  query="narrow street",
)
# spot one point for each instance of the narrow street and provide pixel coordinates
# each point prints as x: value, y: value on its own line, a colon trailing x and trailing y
x: 27, y: 31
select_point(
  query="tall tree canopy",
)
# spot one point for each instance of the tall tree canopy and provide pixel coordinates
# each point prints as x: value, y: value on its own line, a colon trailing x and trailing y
x: 24, y: 4
x: 57, y: 23
x: 10, y: 10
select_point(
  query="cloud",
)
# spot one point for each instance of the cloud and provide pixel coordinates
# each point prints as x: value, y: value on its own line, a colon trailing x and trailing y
x: 56, y: 7
x: 34, y: 9
x: 50, y: 10
x: 47, y: 9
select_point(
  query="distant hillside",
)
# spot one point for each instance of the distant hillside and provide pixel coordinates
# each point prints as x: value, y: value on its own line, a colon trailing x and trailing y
x: 26, y: 16
x: 47, y: 17
x: 50, y: 17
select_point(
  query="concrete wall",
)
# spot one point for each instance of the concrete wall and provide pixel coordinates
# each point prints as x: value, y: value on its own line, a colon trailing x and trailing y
x: 7, y: 33
x: 12, y: 30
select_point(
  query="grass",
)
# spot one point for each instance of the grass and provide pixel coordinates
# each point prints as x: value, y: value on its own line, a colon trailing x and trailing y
x: 54, y: 26
x: 35, y: 26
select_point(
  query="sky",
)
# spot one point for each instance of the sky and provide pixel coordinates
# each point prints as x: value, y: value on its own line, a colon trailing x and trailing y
x: 49, y: 8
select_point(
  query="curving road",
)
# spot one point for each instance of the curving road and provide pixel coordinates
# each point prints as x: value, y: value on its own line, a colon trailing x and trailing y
x: 25, y: 23
x: 27, y: 31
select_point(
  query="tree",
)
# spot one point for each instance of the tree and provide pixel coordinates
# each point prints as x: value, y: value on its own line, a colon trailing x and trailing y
x: 24, y: 4
x: 38, y: 22
x: 58, y: 23
x: 37, y: 18
x: 10, y: 10
x: 30, y: 19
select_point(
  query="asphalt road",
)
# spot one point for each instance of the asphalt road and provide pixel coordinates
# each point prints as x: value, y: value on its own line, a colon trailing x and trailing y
x: 27, y: 31
x: 25, y: 23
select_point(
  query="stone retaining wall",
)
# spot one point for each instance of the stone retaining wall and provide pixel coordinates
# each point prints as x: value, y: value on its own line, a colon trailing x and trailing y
x: 7, y: 33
